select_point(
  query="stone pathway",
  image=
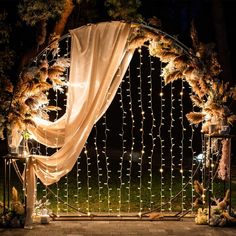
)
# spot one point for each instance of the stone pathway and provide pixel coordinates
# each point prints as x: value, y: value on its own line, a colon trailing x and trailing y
x: 187, y: 227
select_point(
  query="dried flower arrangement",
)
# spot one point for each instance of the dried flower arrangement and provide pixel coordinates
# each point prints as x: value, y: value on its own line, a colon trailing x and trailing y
x: 199, y: 68
x: 30, y: 96
x: 15, y: 216
x: 219, y: 213
x: 219, y: 209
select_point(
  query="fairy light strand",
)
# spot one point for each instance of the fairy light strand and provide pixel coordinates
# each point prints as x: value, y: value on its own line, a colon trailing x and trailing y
x: 78, y: 182
x: 129, y: 169
x: 172, y: 165
x: 57, y: 185
x: 153, y: 125
x: 106, y: 163
x: 66, y: 178
x: 99, y: 169
x: 45, y: 194
x: 183, y: 195
x: 192, y: 160
x: 141, y: 131
x: 120, y: 171
x: 162, y: 164
x: 88, y: 163
x: 192, y: 168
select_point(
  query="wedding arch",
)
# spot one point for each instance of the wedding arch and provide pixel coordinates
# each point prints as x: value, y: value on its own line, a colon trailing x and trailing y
x: 90, y: 67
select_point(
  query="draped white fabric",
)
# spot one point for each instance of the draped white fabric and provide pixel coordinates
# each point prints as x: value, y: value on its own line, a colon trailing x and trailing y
x: 99, y: 59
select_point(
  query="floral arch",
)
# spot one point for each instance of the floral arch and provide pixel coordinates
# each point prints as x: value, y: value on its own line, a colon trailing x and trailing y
x: 99, y: 57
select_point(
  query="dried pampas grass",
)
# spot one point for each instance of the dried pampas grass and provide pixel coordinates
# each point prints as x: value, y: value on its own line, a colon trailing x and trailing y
x: 43, y: 114
x: 41, y: 86
x: 195, y: 117
x: 166, y: 56
x: 203, y: 85
x: 206, y: 127
x: 58, y: 81
x: 231, y: 119
x: 181, y: 61
x: 152, y: 36
x: 166, y: 40
x: 196, y: 88
x: 172, y: 76
x: 62, y: 62
x: 137, y: 42
x: 197, y: 101
x: 52, y: 108
x: 55, y: 72
x: 233, y: 93
x: 188, y: 72
x: 16, y: 205
x: 31, y: 102
x: 29, y: 122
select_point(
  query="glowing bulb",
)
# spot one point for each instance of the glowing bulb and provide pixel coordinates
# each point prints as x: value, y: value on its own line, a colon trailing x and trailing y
x: 200, y: 157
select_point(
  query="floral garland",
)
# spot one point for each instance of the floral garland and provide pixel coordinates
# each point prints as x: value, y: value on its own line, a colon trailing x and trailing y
x: 200, y: 68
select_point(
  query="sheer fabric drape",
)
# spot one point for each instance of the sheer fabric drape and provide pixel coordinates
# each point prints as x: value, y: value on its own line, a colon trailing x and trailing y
x: 99, y: 59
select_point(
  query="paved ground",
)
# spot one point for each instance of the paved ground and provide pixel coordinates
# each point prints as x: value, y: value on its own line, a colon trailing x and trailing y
x: 186, y: 227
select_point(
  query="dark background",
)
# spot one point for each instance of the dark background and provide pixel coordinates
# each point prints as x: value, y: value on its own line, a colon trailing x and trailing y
x: 214, y: 20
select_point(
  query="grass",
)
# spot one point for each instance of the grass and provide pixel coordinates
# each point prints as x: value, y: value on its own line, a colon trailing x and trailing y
x: 83, y: 194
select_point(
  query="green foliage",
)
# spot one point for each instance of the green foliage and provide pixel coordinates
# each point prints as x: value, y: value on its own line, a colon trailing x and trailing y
x: 6, y: 64
x: 33, y: 12
x: 123, y: 9
x: 6, y: 54
x: 4, y: 29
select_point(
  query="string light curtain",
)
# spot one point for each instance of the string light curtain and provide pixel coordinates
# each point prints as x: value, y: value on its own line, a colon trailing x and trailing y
x: 98, y: 54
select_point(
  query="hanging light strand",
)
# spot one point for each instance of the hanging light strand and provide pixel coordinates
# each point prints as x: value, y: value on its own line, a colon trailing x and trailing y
x: 129, y: 169
x: 99, y: 169
x: 66, y: 190
x: 172, y: 165
x: 88, y: 163
x: 192, y: 159
x: 183, y: 194
x: 107, y: 163
x: 162, y: 164
x: 153, y: 125
x: 45, y: 193
x: 78, y: 182
x: 141, y: 131
x: 57, y: 185
x: 192, y: 169
x: 56, y: 118
x: 120, y: 171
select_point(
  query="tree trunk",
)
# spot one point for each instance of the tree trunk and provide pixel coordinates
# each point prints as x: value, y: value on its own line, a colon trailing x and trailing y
x: 58, y: 30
